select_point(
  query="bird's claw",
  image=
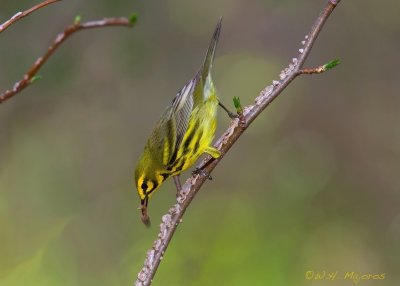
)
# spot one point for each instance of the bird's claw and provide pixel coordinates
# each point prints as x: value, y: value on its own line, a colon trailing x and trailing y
x: 201, y: 172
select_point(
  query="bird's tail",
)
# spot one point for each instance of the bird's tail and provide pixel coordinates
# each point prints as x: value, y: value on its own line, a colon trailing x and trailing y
x: 208, y: 61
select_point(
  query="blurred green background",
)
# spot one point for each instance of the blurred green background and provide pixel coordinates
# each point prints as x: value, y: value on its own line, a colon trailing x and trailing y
x: 312, y: 186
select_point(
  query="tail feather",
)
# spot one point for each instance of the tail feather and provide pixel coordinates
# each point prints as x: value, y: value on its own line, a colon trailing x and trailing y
x: 208, y: 61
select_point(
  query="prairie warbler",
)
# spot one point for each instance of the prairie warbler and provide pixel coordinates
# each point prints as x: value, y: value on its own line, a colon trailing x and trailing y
x: 183, y: 133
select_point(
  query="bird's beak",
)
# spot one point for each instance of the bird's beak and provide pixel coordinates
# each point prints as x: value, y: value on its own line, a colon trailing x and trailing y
x: 143, y: 207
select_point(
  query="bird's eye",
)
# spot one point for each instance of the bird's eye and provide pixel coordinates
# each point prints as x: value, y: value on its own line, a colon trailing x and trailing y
x: 144, y: 186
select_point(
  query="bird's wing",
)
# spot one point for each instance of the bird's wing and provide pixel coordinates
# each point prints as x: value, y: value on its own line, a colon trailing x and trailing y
x: 182, y: 107
x: 172, y: 126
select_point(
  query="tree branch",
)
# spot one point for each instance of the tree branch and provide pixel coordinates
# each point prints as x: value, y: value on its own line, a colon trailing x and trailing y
x: 20, y: 15
x: 171, y: 220
x: 30, y: 75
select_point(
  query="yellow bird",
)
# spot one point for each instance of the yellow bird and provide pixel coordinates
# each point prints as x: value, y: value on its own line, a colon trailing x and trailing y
x: 183, y: 133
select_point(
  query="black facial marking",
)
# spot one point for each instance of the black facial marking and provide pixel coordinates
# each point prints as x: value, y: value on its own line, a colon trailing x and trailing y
x: 155, y: 185
x: 144, y: 187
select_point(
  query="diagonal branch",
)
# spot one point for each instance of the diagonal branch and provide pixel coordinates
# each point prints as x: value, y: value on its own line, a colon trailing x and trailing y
x: 30, y: 75
x: 171, y: 220
x: 20, y: 15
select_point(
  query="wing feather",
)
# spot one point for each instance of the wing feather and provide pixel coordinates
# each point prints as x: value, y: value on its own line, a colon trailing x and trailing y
x: 182, y: 107
x: 166, y: 138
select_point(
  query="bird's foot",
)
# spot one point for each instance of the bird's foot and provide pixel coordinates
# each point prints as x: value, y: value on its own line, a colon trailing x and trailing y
x: 201, y: 172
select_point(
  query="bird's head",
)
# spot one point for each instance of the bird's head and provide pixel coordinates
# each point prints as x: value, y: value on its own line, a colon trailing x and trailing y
x: 148, y: 178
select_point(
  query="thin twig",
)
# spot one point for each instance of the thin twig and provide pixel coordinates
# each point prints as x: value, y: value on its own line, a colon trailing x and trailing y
x: 20, y: 15
x: 29, y: 76
x: 319, y: 69
x: 171, y: 220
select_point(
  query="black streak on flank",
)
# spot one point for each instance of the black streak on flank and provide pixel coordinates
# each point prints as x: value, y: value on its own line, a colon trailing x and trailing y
x: 197, y: 145
x: 179, y: 165
x: 165, y: 175
x: 189, y: 138
x: 172, y: 160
